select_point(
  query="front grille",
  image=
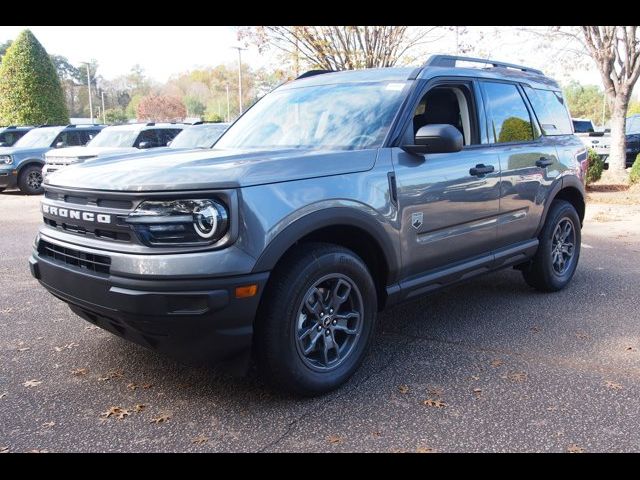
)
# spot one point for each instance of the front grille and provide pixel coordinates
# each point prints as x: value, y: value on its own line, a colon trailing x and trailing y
x: 75, y: 258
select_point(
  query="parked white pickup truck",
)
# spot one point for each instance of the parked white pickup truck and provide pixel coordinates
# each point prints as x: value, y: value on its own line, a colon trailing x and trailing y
x: 600, y: 141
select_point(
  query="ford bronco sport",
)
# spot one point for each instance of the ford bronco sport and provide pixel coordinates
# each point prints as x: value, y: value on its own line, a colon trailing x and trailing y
x: 333, y: 197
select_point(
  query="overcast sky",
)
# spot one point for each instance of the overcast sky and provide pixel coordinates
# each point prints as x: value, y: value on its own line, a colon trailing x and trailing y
x: 163, y: 51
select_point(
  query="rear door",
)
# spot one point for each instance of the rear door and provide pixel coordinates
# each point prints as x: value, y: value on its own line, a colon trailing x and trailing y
x: 528, y: 161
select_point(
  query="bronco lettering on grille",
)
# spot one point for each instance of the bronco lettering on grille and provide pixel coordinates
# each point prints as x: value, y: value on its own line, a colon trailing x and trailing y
x: 76, y: 214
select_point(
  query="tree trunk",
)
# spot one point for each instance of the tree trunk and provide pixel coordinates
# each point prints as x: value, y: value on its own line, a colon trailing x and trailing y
x: 617, y: 156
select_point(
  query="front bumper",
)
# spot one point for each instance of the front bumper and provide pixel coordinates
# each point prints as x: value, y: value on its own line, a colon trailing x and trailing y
x: 8, y: 177
x: 198, y: 321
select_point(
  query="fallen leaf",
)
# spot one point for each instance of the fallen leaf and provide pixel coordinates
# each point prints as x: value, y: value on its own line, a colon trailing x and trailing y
x: 132, y: 386
x: 7, y: 310
x: 573, y: 448
x: 4, y: 449
x: 582, y: 335
x: 424, y: 450
x: 436, y: 392
x: 613, y: 385
x: 334, y: 439
x: 110, y: 375
x: 535, y: 329
x: 477, y: 391
x: 2, y: 395
x: 68, y: 346
x: 516, y: 377
x: 147, y: 385
x: 79, y: 371
x: 200, y: 439
x: 139, y: 407
x: 38, y: 451
x: 48, y: 424
x: 376, y: 434
x: 629, y: 349
x: 429, y: 402
x: 497, y: 362
x: 91, y: 327
x: 474, y: 377
x: 118, y: 412
x: 552, y: 408
x: 162, y: 418
x: 403, y: 389
x: 32, y: 383
x: 23, y: 349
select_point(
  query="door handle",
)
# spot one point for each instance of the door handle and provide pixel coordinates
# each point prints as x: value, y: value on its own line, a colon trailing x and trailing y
x: 481, y: 169
x: 543, y: 162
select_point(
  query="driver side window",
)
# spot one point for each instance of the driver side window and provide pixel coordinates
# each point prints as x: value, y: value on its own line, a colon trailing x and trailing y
x: 448, y: 104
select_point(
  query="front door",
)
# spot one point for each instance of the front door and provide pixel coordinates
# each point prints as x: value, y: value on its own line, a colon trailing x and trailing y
x: 448, y: 203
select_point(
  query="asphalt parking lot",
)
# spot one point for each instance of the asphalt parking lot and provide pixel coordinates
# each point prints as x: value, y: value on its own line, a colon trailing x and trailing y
x: 487, y: 366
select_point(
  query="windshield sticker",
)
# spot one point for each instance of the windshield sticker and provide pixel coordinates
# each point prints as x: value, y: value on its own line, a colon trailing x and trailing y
x: 396, y: 87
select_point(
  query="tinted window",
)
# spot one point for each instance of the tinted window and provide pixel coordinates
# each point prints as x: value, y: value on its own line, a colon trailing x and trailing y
x: 149, y: 136
x: 509, y: 119
x: 168, y: 134
x: 10, y: 137
x: 74, y: 139
x: 551, y: 111
x: 582, y: 126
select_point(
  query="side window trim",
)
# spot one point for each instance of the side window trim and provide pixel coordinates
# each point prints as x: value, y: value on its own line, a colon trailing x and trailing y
x: 489, y: 115
x: 535, y: 122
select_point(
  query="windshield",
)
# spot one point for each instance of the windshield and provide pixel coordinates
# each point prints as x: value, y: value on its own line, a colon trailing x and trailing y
x: 38, y: 137
x: 115, y: 137
x: 340, y: 116
x: 581, y: 126
x: 200, y: 136
x: 633, y: 125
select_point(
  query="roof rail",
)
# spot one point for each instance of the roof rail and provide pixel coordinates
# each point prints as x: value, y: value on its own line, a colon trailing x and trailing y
x: 312, y: 73
x: 450, y: 61
x: 150, y: 124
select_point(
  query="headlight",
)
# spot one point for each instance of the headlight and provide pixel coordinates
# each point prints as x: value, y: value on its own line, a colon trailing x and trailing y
x: 6, y: 159
x: 180, y: 222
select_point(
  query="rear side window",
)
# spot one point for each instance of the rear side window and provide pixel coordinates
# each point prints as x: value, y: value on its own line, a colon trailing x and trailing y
x: 168, y: 134
x: 509, y: 119
x: 582, y: 126
x: 150, y: 136
x: 551, y: 111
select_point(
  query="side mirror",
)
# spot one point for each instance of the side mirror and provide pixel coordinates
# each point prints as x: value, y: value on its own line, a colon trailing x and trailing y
x: 61, y: 145
x: 169, y: 143
x: 436, y: 138
x: 144, y: 145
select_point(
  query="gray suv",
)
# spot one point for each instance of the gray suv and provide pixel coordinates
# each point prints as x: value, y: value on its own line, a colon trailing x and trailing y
x: 335, y: 196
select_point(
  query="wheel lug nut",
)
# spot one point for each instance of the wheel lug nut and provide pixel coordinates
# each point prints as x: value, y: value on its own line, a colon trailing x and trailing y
x: 331, y: 311
x: 335, y: 322
x: 319, y: 328
x: 327, y: 332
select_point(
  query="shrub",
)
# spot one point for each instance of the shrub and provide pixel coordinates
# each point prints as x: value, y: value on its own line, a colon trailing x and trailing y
x: 115, y: 116
x: 596, y: 166
x: 30, y: 91
x: 634, y: 176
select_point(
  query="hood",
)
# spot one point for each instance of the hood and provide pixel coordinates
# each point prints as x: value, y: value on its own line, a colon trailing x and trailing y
x: 23, y: 151
x: 75, y: 152
x: 209, y: 169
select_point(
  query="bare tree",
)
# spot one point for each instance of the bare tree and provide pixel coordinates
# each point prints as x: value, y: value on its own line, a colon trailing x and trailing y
x: 340, y: 47
x: 616, y: 52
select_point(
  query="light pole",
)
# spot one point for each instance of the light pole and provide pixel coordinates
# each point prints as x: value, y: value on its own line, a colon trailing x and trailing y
x: 239, y: 76
x: 104, y: 118
x: 228, y: 109
x: 89, y: 87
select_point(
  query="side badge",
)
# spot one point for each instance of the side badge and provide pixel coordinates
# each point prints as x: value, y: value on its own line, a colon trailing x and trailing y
x: 416, y: 220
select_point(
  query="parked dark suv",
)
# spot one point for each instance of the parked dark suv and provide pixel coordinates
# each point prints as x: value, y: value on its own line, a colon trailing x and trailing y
x: 333, y: 197
x: 21, y: 164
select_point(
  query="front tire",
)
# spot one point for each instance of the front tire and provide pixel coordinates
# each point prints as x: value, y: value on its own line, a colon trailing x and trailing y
x: 30, y: 180
x: 317, y: 321
x: 555, y: 262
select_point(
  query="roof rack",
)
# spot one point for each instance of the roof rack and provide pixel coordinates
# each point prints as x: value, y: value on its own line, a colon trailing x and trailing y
x: 312, y: 73
x: 450, y: 61
x: 150, y: 124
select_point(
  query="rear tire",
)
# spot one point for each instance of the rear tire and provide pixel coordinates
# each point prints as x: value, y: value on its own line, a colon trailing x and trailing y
x: 317, y: 320
x: 555, y: 262
x: 30, y: 180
